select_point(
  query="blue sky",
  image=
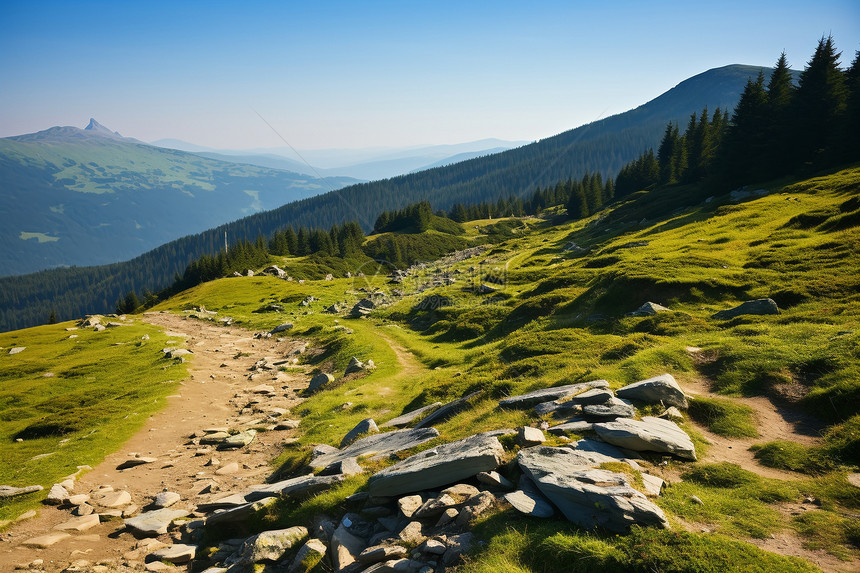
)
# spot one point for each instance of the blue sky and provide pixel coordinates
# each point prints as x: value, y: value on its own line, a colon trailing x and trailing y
x: 377, y: 74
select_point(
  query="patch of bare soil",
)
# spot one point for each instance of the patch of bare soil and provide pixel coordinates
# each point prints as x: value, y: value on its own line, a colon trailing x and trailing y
x: 772, y: 422
x: 218, y: 393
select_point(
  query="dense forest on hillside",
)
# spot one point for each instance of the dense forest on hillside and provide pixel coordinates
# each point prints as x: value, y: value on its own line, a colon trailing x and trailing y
x: 547, y: 170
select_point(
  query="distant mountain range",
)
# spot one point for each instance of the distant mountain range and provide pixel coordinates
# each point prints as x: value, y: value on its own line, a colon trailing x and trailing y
x: 367, y: 164
x: 71, y: 196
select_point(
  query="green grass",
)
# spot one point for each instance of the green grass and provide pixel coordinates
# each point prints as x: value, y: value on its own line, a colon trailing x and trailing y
x: 74, y: 400
x: 724, y: 417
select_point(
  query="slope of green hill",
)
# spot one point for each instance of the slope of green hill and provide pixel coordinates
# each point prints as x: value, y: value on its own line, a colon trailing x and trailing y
x: 603, y: 146
x: 558, y: 311
x: 87, y: 197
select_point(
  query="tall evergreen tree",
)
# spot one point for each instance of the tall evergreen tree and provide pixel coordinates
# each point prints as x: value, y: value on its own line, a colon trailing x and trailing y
x: 818, y: 106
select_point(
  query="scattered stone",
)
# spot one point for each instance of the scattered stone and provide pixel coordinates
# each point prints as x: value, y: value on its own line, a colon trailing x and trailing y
x: 111, y: 499
x: 83, y: 509
x: 214, y: 438
x: 269, y: 545
x: 653, y: 485
x: 177, y: 553
x: 377, y: 446
x: 347, y: 467
x: 548, y: 394
x: 263, y: 389
x: 616, y: 408
x: 756, y: 307
x: 448, y: 516
x: 695, y: 499
x: 17, y: 349
x: 57, y: 495
x: 12, y: 491
x: 78, y: 499
x: 587, y: 496
x: 495, y: 479
x: 26, y: 515
x: 648, y: 434
x: 136, y: 461
x: 355, y: 365
x: 655, y: 390
x: 154, y: 523
x: 409, y: 504
x: 366, y: 426
x: 44, y: 541
x: 239, y: 440
x: 528, y: 436
x: 575, y: 426
x: 648, y: 309
x: 447, y: 411
x: 281, y: 328
x: 231, y: 468
x: 79, y: 523
x: 165, y: 499
x: 345, y: 548
x: 529, y: 500
x: 672, y: 413
x: 379, y: 553
x: 441, y: 465
x: 412, y: 534
x: 294, y: 487
x: 308, y: 556
x: 474, y: 507
x: 457, y: 546
x: 320, y: 380
x: 287, y: 425
x: 409, y: 417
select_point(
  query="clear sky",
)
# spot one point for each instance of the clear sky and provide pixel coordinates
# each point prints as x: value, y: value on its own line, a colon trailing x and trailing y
x: 355, y: 74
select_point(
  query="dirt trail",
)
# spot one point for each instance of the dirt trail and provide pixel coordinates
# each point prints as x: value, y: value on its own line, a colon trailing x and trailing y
x: 217, y: 393
x: 772, y: 423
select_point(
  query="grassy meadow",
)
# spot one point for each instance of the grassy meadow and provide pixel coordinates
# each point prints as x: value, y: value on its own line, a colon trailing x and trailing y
x: 558, y: 315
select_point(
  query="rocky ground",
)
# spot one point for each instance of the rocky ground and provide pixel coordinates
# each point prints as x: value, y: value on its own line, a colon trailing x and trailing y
x: 223, y: 391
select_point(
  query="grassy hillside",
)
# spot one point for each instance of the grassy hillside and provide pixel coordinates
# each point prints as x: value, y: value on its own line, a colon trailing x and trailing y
x: 559, y: 315
x: 73, y: 395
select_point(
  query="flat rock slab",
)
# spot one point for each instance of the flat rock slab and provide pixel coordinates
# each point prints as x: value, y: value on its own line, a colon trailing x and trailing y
x: 649, y: 434
x: 153, y: 523
x: 136, y: 461
x: 238, y: 514
x: 177, y: 553
x: 239, y: 440
x: 572, y: 427
x: 586, y: 496
x: 549, y: 394
x: 615, y: 408
x: 48, y: 540
x: 11, y: 491
x: 447, y: 411
x: 661, y: 388
x: 165, y: 499
x: 377, y: 446
x: 295, y: 487
x: 529, y: 500
x: 111, y: 499
x: 409, y: 417
x: 441, y: 465
x: 79, y: 523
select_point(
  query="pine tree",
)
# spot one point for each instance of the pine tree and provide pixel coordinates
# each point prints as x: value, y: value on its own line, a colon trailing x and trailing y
x: 818, y: 105
x: 780, y: 92
x: 666, y: 154
x: 849, y: 137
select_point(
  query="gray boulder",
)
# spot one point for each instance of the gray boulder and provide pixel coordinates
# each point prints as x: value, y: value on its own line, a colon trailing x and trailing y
x: 655, y: 390
x: 376, y: 446
x: 529, y: 500
x: 268, y: 545
x: 615, y: 408
x: 759, y: 307
x: 574, y: 426
x: 447, y: 411
x: 153, y: 523
x: 239, y: 440
x: 648, y: 309
x: 281, y: 328
x: 649, y: 434
x: 409, y: 417
x: 441, y: 465
x: 548, y: 394
x: 366, y: 426
x: 12, y: 491
x: 294, y: 487
x: 176, y: 553
x: 319, y: 381
x: 355, y: 365
x: 586, y: 496
x: 308, y: 556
